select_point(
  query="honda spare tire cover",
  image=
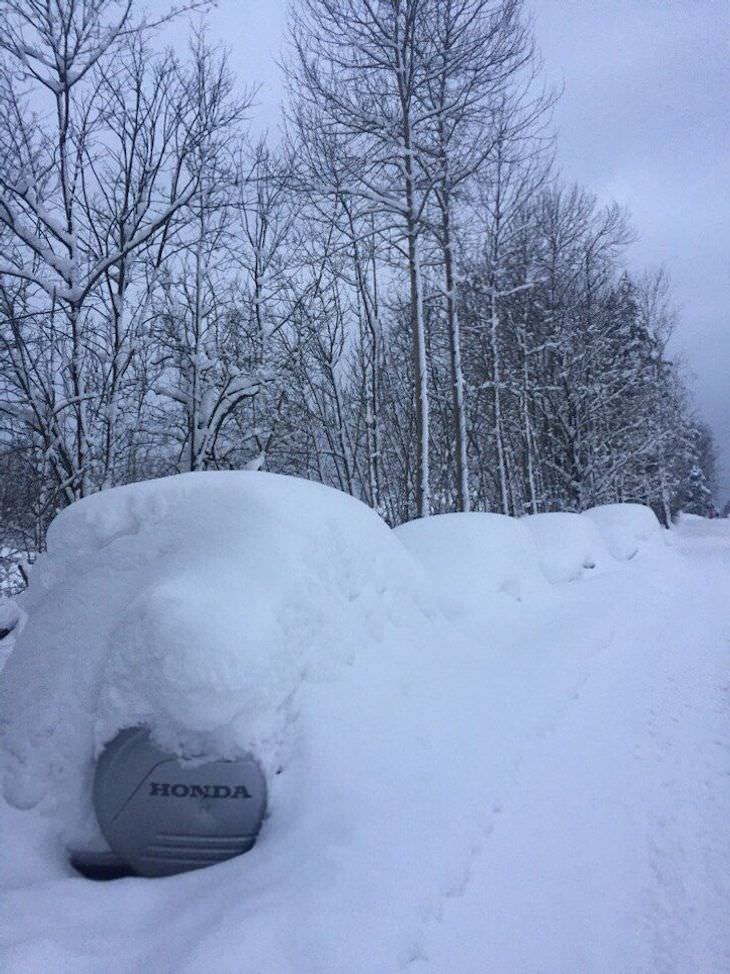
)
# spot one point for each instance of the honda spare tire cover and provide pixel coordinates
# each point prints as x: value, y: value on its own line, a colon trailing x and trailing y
x: 165, y: 816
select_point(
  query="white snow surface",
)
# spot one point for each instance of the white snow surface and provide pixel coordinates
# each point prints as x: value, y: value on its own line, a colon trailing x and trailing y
x: 475, y: 557
x: 10, y: 619
x: 568, y: 545
x: 626, y: 528
x: 514, y: 778
x: 9, y: 614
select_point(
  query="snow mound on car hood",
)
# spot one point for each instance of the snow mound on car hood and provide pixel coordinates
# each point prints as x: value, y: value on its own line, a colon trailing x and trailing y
x: 198, y: 605
x: 475, y: 557
x: 567, y: 545
x: 627, y: 528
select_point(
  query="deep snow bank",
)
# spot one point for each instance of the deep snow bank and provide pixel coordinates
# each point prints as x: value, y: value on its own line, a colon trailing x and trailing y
x: 237, y: 612
x: 248, y: 611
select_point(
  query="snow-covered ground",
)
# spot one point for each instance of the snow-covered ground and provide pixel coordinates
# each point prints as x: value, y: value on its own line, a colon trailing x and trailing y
x: 493, y: 747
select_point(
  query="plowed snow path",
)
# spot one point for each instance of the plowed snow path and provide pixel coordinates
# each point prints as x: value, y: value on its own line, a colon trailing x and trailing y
x: 610, y: 848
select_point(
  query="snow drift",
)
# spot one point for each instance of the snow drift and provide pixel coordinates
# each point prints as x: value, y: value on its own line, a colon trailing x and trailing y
x: 443, y: 790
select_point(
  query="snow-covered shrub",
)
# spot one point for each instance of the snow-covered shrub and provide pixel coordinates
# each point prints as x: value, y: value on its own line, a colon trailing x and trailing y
x: 567, y: 544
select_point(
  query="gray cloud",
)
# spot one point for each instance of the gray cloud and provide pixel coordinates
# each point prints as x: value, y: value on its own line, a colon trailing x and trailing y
x: 643, y: 120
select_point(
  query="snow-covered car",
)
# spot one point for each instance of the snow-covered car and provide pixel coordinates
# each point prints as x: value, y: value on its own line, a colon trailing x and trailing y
x: 204, y: 609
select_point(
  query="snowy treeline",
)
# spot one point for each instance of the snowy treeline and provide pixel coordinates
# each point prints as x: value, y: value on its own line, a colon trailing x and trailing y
x: 397, y: 297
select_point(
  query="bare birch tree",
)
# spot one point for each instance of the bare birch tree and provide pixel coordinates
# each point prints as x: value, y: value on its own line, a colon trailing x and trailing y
x: 356, y: 72
x: 480, y: 50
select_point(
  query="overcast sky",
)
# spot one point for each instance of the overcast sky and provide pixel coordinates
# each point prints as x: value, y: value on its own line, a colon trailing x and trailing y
x: 644, y: 120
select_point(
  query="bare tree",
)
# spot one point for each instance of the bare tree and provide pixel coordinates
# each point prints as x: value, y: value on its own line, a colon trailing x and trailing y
x: 265, y: 255
x: 55, y: 180
x: 198, y: 326
x: 481, y: 49
x: 356, y: 73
